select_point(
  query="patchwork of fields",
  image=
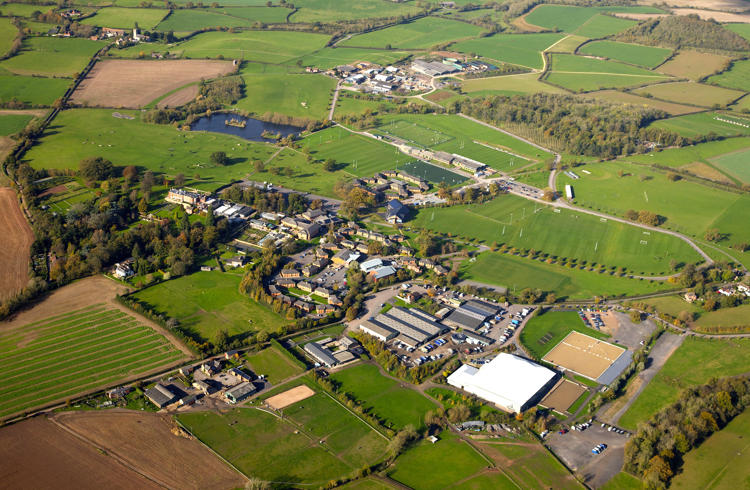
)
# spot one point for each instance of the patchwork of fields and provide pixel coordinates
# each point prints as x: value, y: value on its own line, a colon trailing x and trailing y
x: 74, y: 352
x: 419, y: 34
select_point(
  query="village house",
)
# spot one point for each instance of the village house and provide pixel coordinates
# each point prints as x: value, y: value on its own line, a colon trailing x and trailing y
x: 290, y: 273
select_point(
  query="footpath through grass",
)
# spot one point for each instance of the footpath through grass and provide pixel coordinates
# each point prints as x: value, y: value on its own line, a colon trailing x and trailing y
x: 695, y: 362
x: 546, y: 329
x: 74, y: 352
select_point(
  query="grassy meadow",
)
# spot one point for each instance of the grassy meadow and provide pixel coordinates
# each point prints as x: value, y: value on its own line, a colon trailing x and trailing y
x: 522, y: 224
x: 330, y: 57
x: 208, y: 302
x: 517, y: 273
x: 330, y: 10
x: 739, y: 316
x: 715, y: 357
x: 8, y: 33
x: 704, y: 123
x: 194, y: 20
x: 691, y: 93
x: 647, y: 56
x: 52, y: 56
x: 306, y: 96
x: 13, y: 123
x: 75, y: 352
x: 628, y: 98
x: 396, y: 405
x: 418, y: 34
x: 526, y: 83
x: 275, y: 365
x: 518, y: 49
x: 584, y: 21
x: 126, y: 18
x: 735, y: 164
x: 694, y: 64
x: 81, y: 133
x: 546, y: 329
x: 738, y: 76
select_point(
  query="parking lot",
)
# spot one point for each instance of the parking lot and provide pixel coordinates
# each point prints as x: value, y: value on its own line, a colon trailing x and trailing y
x: 574, y: 448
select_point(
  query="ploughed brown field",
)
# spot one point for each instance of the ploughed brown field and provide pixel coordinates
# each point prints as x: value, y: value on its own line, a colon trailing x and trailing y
x: 134, y: 83
x: 108, y: 449
x: 15, y: 239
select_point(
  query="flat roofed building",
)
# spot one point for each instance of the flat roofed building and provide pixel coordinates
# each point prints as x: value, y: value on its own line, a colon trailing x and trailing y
x: 321, y: 354
x: 510, y: 382
x: 377, y: 330
x: 240, y: 392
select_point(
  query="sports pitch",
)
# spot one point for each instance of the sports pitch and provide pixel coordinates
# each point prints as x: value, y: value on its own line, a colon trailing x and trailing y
x: 563, y: 395
x: 584, y: 355
x: 415, y: 133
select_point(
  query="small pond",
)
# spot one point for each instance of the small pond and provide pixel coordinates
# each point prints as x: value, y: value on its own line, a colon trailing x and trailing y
x: 252, y: 131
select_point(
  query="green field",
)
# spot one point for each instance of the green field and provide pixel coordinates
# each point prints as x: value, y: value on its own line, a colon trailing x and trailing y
x: 736, y: 164
x: 52, y: 56
x: 726, y: 317
x: 396, y: 405
x: 523, y: 224
x: 208, y: 302
x: 418, y: 34
x: 585, y: 21
x: 35, y: 91
x: 703, y: 123
x: 518, y: 49
x: 738, y: 76
x: 546, y: 329
x: 8, y: 33
x: 637, y: 100
x: 716, y: 358
x: 13, y: 123
x: 721, y: 461
x: 74, y: 193
x: 330, y: 57
x: 570, y: 63
x: 261, y: 46
x: 641, y: 188
x: 81, y: 133
x: 359, y: 155
x: 741, y: 29
x: 126, y: 18
x: 672, y: 305
x: 691, y: 93
x: 516, y: 273
x: 330, y: 10
x: 456, y: 134
x: 528, y: 466
x: 424, y: 466
x: 74, y: 352
x: 623, y: 481
x: 526, y: 83
x: 194, y: 20
x: 586, y: 82
x: 23, y: 9
x: 647, y: 56
x: 305, y: 96
x: 274, y: 364
x: 432, y: 173
x: 317, y: 441
x: 295, y: 172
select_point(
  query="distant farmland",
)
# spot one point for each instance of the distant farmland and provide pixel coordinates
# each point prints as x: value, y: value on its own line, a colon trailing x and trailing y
x: 68, y: 354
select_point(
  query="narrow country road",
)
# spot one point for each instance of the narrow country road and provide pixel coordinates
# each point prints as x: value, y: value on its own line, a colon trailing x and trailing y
x: 335, y: 100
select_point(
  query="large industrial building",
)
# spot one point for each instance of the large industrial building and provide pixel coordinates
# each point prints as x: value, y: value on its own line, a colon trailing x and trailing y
x: 471, y: 315
x: 411, y: 326
x: 510, y: 382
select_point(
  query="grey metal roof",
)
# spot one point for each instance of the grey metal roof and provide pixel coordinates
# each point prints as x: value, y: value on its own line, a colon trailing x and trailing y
x: 322, y: 355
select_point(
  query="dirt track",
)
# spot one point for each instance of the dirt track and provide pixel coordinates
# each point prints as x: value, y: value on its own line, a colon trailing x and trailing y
x: 38, y: 454
x: 15, y: 239
x: 145, y: 443
x: 135, y: 83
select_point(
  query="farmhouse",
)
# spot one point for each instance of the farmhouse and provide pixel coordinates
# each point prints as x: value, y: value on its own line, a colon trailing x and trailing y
x: 321, y: 354
x: 240, y: 392
x: 510, y: 382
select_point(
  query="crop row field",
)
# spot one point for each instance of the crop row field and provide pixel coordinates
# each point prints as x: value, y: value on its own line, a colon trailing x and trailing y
x: 636, y: 100
x: 584, y: 21
x: 687, y: 206
x: 647, y: 56
x: 209, y: 302
x: 716, y: 358
x: 418, y: 34
x: 71, y: 353
x: 694, y: 65
x: 582, y: 73
x: 317, y: 440
x: 82, y: 133
x: 560, y: 232
x: 517, y: 49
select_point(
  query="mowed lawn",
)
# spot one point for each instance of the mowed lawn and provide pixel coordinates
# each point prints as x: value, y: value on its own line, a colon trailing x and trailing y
x: 517, y: 273
x: 52, y: 56
x: 518, y: 49
x: 721, y: 461
x: 691, y: 93
x: 703, y: 123
x: 36, y: 91
x: 689, y: 207
x: 546, y: 329
x: 647, y: 56
x: 13, y: 123
x: 695, y: 362
x: 75, y: 352
x: 397, y: 406
x: 523, y: 224
x: 274, y: 364
x: 439, y: 465
x: 418, y: 34
x: 126, y: 18
x: 208, y: 302
x: 290, y: 168
x: 332, y: 443
x: 306, y: 96
x: 81, y: 133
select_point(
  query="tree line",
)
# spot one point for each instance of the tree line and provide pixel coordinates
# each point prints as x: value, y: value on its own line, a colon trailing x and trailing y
x: 681, y: 31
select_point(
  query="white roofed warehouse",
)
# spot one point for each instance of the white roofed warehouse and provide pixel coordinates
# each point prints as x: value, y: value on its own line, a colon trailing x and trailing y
x: 510, y: 382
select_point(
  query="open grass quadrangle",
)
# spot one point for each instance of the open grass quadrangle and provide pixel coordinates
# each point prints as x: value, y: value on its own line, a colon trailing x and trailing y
x: 71, y: 353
